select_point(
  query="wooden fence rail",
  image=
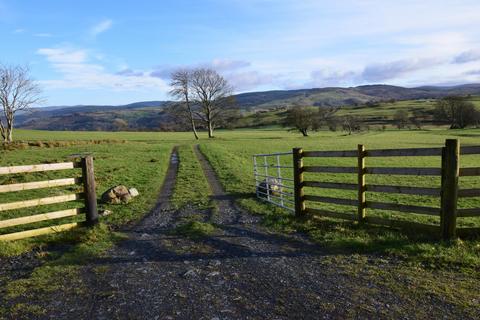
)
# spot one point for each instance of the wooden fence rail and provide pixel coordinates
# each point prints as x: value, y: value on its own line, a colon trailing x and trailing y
x: 448, y: 193
x: 88, y: 195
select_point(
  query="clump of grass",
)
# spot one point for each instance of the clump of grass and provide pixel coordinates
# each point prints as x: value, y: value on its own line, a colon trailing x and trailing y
x: 191, y: 186
x: 195, y: 229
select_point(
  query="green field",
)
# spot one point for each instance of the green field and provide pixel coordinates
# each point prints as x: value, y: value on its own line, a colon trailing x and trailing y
x: 374, y: 116
x: 140, y: 160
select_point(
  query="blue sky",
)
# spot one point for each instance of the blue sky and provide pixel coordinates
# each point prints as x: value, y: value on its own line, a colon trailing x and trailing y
x: 116, y: 52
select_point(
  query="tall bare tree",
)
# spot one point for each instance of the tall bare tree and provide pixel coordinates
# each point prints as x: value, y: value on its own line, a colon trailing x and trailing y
x: 18, y: 92
x: 181, y: 84
x: 212, y: 94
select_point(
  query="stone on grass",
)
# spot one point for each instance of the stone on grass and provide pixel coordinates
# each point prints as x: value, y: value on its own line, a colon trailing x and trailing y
x: 118, y: 194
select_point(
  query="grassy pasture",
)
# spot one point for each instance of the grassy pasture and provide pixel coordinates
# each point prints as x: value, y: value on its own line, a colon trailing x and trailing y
x: 233, y: 163
x: 139, y: 165
x: 141, y: 162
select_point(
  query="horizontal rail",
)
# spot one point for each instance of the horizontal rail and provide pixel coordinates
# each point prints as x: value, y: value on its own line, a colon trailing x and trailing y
x: 330, y: 214
x: 468, y: 193
x: 39, y: 185
x: 38, y: 168
x: 273, y: 166
x: 277, y: 203
x: 273, y: 177
x: 403, y: 208
x: 405, y: 171
x: 40, y: 202
x: 326, y: 154
x: 272, y: 154
x: 40, y: 217
x: 470, y: 150
x: 404, y: 190
x: 468, y: 232
x: 413, y: 152
x: 393, y: 223
x: 278, y: 192
x: 37, y: 232
x: 319, y: 169
x: 340, y: 201
x: 469, y: 172
x: 330, y: 185
x: 475, y: 212
x: 276, y: 184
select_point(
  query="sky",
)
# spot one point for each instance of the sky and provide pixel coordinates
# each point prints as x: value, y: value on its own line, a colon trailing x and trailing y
x: 118, y: 52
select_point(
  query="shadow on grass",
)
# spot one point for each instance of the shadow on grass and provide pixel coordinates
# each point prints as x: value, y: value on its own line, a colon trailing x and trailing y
x: 340, y: 237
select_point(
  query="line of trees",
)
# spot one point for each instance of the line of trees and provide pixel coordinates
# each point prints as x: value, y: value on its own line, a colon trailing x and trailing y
x: 204, y: 96
x: 306, y: 119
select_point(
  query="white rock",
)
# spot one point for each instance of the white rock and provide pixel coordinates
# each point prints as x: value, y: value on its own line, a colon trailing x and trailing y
x: 105, y: 213
x: 133, y: 192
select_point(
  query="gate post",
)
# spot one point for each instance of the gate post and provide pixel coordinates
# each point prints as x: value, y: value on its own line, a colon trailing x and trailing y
x: 449, y: 188
x: 298, y: 182
x: 362, y: 204
x: 89, y: 190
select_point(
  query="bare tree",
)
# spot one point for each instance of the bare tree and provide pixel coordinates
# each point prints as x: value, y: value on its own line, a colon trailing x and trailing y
x: 401, y: 118
x: 181, y: 83
x: 213, y: 96
x: 302, y: 119
x: 351, y: 124
x: 18, y: 92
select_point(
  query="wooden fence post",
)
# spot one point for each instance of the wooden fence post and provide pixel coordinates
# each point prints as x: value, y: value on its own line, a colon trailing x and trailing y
x: 449, y: 188
x: 362, y: 204
x: 298, y: 181
x: 89, y: 190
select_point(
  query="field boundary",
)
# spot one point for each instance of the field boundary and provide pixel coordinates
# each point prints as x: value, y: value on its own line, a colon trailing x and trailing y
x: 88, y: 195
x: 448, y: 192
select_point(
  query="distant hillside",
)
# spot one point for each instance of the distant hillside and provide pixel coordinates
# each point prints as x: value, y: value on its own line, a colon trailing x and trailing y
x: 150, y: 115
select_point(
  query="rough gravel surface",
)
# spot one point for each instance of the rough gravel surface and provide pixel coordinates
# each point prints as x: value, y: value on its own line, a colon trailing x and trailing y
x: 240, y: 272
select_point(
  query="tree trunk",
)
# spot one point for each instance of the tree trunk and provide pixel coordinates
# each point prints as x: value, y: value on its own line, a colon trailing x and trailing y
x: 210, y: 129
x: 194, y: 130
x: 192, y: 121
x: 3, y: 132
x: 9, y: 135
x: 304, y: 132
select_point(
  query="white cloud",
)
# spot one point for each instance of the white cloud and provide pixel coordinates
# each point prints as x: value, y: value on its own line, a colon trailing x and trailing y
x: 79, y: 70
x: 101, y: 27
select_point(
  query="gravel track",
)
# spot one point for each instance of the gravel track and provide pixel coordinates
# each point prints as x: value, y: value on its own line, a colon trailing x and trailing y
x: 241, y: 272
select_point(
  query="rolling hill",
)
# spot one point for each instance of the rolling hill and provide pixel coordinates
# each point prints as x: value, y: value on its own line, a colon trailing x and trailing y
x: 151, y: 115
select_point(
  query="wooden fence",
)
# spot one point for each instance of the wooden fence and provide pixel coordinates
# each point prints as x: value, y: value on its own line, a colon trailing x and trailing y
x: 88, y: 195
x: 448, y: 193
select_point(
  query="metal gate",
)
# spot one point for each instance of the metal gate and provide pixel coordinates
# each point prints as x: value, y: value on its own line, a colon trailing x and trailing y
x: 273, y: 175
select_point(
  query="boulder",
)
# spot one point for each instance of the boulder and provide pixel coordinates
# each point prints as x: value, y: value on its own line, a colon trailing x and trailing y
x: 117, y: 195
x: 270, y: 186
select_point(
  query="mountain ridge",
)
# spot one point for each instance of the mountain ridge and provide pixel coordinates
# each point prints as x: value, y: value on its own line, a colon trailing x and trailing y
x: 150, y: 115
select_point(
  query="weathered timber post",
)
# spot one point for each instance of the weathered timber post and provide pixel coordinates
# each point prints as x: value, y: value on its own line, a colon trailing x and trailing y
x: 449, y: 188
x: 362, y: 203
x: 298, y: 182
x: 89, y: 190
